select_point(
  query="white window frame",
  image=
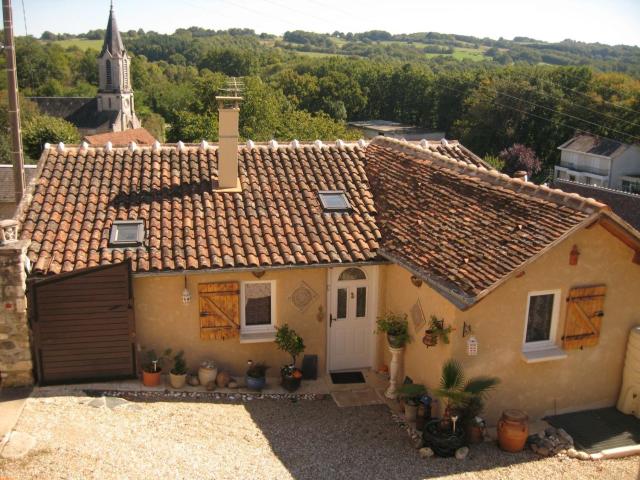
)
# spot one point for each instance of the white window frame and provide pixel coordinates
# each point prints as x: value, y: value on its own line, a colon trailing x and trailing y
x: 555, y: 314
x: 244, y: 328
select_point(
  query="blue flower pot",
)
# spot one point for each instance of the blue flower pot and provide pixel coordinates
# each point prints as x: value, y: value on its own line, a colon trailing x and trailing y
x: 256, y: 383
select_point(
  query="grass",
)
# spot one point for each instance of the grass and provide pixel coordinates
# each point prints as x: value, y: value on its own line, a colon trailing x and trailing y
x: 81, y: 43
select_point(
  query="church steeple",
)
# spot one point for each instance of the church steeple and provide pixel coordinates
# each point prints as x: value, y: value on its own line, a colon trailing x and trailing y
x: 114, y: 91
x: 112, y: 39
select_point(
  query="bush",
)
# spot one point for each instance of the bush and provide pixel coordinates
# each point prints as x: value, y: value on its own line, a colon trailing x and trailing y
x: 519, y: 157
x: 43, y: 129
x: 289, y: 341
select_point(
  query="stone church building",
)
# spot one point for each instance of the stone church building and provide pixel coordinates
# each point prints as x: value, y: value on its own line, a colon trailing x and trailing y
x: 113, y: 109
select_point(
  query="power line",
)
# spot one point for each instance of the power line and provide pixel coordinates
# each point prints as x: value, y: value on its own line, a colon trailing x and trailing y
x: 565, y: 114
x: 24, y: 16
x: 587, y: 96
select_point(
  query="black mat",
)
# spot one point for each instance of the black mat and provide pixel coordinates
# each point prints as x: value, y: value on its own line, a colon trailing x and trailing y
x: 596, y: 430
x: 347, y: 377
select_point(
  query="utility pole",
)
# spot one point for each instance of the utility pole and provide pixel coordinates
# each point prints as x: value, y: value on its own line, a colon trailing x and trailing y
x: 14, y: 104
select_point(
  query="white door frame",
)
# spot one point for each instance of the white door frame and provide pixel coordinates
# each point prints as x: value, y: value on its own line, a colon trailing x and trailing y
x: 372, y: 273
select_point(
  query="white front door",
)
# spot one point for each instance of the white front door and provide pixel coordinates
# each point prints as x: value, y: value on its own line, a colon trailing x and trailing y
x: 351, y: 330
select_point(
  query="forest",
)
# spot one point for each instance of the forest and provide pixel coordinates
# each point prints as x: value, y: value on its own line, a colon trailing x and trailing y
x: 307, y: 85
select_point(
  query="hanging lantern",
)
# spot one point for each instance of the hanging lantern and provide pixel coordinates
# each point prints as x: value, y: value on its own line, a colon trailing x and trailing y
x: 186, y: 295
x: 472, y: 346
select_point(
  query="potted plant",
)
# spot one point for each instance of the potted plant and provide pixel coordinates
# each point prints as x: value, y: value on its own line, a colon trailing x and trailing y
x: 396, y: 326
x: 435, y: 331
x: 256, y: 375
x: 152, y: 367
x: 178, y: 374
x: 477, y: 388
x: 207, y: 372
x: 289, y: 341
x: 411, y: 393
x: 445, y: 436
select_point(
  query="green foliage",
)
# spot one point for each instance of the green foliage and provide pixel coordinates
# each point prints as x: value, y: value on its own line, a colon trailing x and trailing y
x: 179, y: 364
x: 466, y: 398
x: 396, y: 325
x: 152, y: 362
x: 495, y: 161
x: 257, y: 370
x: 289, y: 341
x: 436, y: 327
x: 411, y: 392
x: 41, y: 129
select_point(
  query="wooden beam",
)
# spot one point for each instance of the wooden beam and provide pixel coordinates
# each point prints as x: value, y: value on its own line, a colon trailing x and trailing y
x: 620, y: 233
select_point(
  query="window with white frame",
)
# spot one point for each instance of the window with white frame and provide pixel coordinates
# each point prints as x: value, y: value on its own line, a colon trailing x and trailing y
x: 542, y: 319
x: 258, y: 306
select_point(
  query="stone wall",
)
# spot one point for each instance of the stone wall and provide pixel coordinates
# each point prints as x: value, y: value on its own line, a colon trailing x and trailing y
x: 15, y: 351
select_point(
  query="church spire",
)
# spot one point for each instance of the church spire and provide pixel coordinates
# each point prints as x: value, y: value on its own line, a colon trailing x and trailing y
x: 112, y: 40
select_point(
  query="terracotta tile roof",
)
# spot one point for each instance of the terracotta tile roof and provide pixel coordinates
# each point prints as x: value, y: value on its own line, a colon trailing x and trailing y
x: 624, y: 204
x: 140, y: 136
x: 463, y: 229
x: 275, y: 220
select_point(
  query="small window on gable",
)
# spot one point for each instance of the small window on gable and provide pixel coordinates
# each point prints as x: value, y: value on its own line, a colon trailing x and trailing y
x: 334, y: 201
x: 542, y: 320
x: 127, y: 233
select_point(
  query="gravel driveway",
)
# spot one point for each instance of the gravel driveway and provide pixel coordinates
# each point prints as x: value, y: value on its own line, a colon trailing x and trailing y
x: 258, y: 439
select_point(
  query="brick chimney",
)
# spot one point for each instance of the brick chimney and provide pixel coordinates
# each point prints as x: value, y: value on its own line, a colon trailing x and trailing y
x: 229, y: 114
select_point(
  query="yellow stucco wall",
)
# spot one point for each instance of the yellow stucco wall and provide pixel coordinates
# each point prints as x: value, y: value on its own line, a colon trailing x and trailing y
x: 586, y: 378
x: 163, y: 321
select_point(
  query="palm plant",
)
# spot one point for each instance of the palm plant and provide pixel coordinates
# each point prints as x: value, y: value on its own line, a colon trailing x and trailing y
x: 460, y: 396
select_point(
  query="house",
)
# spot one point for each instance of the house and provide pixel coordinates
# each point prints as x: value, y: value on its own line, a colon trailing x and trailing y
x: 601, y: 162
x: 113, y: 109
x: 7, y: 190
x: 207, y: 247
x: 624, y: 204
x: 372, y: 128
x: 139, y: 136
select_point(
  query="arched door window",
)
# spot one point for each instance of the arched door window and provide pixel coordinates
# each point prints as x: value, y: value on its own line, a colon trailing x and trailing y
x: 352, y: 274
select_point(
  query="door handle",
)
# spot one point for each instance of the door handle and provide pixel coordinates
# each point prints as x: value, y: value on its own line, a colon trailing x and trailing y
x: 330, y: 320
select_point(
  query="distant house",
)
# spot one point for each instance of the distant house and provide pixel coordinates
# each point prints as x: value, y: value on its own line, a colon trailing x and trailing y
x: 7, y: 192
x: 112, y: 110
x: 385, y: 128
x: 139, y: 136
x: 600, y: 161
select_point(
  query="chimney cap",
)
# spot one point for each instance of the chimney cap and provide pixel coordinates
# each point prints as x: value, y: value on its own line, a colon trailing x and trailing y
x: 521, y: 174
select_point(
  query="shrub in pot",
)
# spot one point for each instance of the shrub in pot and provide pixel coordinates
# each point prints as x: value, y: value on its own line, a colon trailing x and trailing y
x: 256, y: 377
x: 289, y: 341
x: 396, y: 326
x: 152, y: 367
x: 178, y: 374
x: 411, y: 393
x: 436, y: 331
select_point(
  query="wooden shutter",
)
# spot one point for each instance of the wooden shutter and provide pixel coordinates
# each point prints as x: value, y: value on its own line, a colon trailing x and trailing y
x: 584, y: 316
x: 219, y: 310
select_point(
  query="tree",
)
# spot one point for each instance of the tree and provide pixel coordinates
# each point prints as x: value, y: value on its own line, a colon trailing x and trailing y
x: 42, y: 129
x: 519, y: 157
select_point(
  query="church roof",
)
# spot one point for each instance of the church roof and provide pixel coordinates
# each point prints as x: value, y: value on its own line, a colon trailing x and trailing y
x: 112, y: 40
x: 140, y: 136
x: 81, y: 111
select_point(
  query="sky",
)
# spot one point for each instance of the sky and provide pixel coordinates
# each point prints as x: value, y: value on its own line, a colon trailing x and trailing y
x: 606, y: 21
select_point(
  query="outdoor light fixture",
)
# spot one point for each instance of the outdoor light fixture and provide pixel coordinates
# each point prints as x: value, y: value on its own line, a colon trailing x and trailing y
x: 472, y: 346
x: 186, y: 295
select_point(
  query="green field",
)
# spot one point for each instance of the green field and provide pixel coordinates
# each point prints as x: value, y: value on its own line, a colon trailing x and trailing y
x: 81, y: 43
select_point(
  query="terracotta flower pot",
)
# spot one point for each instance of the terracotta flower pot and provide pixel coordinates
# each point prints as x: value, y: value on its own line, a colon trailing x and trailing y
x: 177, y: 381
x: 430, y: 339
x: 151, y: 379
x: 410, y: 412
x: 291, y: 383
x: 513, y: 430
x: 475, y: 434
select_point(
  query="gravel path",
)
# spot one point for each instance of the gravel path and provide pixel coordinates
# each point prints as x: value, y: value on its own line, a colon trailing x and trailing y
x: 258, y: 439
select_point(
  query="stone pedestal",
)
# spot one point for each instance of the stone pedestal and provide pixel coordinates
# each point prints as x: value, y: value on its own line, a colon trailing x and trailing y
x: 15, y: 350
x: 394, y: 367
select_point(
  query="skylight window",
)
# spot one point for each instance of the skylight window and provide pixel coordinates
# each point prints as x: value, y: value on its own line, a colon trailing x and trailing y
x: 127, y: 233
x: 334, y: 201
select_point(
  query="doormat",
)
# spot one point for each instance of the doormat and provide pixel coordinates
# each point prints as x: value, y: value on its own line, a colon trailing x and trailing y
x: 347, y: 377
x: 596, y: 430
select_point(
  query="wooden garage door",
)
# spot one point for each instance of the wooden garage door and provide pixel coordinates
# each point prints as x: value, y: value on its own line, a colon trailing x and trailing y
x: 83, y: 326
